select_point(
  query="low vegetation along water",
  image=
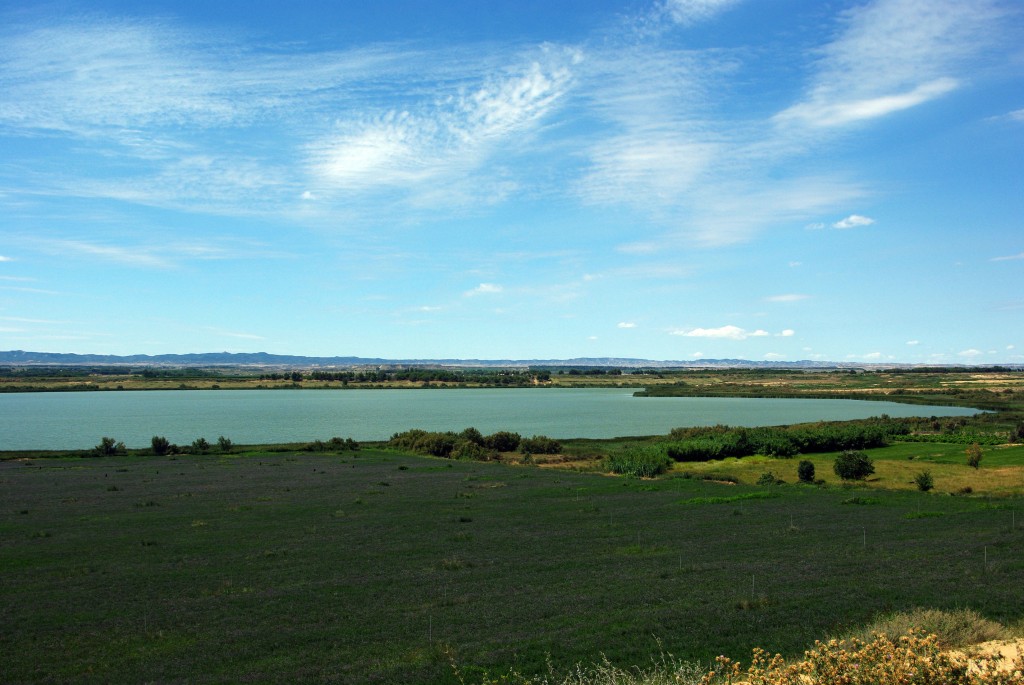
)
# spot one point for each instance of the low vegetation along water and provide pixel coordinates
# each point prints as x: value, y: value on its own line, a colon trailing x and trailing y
x: 76, y: 420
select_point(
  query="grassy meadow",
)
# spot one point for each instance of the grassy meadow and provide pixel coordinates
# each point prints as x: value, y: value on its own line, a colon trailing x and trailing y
x: 378, y: 567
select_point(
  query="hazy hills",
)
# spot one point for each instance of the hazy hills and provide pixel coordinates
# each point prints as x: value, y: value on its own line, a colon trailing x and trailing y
x: 266, y: 360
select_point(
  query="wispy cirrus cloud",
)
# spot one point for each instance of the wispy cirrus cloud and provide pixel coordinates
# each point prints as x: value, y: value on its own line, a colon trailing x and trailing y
x: 152, y: 102
x: 447, y: 137
x: 1008, y: 258
x: 893, y: 55
x: 688, y: 12
x: 151, y: 254
x: 788, y: 297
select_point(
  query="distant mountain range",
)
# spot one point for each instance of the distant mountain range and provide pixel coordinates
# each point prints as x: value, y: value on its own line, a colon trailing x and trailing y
x: 265, y: 360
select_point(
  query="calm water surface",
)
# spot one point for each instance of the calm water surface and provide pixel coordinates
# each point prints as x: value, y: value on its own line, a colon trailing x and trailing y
x: 77, y: 420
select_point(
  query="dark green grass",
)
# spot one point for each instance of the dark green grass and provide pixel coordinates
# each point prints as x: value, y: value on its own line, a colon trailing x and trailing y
x: 352, y: 569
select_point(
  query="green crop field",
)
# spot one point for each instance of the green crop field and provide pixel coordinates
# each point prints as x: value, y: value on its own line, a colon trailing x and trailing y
x: 375, y: 567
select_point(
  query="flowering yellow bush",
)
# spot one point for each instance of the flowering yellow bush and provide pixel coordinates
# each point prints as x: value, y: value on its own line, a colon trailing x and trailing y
x: 910, y: 660
x: 914, y: 659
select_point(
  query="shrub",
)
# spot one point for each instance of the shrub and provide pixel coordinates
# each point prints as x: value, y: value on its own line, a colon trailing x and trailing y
x: 805, y: 471
x: 200, y: 446
x: 540, y: 444
x: 435, y: 444
x: 924, y: 481
x: 109, y: 447
x: 466, y: 449
x: 853, y: 465
x: 336, y: 444
x: 472, y: 435
x: 502, y: 441
x: 911, y: 659
x: 407, y: 439
x: 161, y: 445
x: 974, y: 456
x: 768, y: 478
x: 1017, y: 434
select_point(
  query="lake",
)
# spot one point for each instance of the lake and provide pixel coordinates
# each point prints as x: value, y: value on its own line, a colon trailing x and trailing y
x: 77, y: 420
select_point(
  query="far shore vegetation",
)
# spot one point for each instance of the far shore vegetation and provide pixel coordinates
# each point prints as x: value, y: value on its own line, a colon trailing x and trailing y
x: 464, y: 558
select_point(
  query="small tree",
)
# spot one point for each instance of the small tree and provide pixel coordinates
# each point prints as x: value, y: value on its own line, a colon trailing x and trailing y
x: 200, y: 446
x: 161, y: 445
x: 924, y: 481
x: 805, y: 471
x: 224, y: 444
x: 853, y: 465
x: 974, y: 456
x: 472, y: 435
x: 109, y: 447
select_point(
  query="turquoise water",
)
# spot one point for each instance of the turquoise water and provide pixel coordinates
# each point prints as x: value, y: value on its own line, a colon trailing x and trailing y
x: 65, y: 420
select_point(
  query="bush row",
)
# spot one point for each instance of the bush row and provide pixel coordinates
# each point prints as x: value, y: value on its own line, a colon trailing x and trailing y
x: 161, y: 446
x: 720, y: 442
x: 472, y: 444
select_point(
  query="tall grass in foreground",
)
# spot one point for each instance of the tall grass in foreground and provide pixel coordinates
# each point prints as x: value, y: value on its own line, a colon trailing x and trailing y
x: 912, y: 659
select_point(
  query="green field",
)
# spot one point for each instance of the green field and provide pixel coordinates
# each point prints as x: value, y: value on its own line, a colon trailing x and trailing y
x: 374, y: 567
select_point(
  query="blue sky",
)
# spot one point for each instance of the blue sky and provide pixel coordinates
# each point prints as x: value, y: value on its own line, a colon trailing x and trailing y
x: 673, y: 179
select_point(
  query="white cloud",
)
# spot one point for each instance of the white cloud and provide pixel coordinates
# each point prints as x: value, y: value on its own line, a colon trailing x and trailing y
x: 970, y: 353
x: 788, y: 333
x: 816, y: 226
x: 1008, y: 258
x: 429, y: 308
x: 307, y: 195
x: 1016, y: 115
x: 725, y: 332
x: 794, y: 265
x: 5, y: 259
x: 892, y: 55
x: 1010, y: 347
x: 485, y: 289
x: 913, y: 342
x: 626, y: 324
x: 789, y: 297
x: 774, y: 356
x: 853, y: 221
x: 688, y: 12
